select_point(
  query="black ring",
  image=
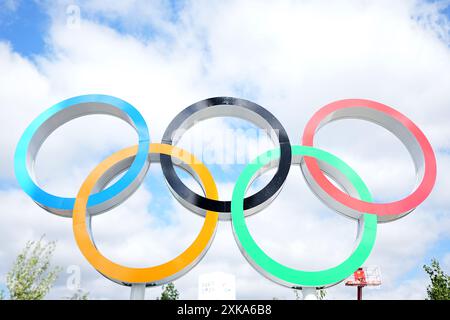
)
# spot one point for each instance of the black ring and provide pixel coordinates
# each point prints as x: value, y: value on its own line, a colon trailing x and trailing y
x: 262, y: 117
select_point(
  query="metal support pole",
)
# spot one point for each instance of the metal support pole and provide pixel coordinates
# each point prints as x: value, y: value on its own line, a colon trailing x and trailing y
x: 137, y: 291
x: 309, y: 293
x: 360, y: 288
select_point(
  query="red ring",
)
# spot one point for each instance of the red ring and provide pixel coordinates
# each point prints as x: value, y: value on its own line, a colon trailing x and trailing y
x: 381, y: 209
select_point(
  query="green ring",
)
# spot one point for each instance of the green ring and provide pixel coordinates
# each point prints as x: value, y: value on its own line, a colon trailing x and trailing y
x: 278, y: 272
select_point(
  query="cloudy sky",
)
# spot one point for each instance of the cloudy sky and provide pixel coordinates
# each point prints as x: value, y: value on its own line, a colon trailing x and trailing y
x: 292, y: 57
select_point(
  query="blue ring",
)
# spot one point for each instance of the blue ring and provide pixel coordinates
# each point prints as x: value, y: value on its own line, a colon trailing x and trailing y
x: 66, y: 204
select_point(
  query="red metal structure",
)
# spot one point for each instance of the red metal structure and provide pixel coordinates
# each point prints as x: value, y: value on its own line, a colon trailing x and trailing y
x: 361, y: 279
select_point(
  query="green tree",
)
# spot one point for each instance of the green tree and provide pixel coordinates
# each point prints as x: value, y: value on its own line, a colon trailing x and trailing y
x: 321, y: 293
x: 79, y: 295
x: 2, y: 295
x: 439, y: 289
x: 169, y: 292
x: 32, y: 275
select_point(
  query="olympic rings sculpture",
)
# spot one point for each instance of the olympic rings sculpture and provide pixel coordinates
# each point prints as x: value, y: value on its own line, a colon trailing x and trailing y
x: 353, y: 199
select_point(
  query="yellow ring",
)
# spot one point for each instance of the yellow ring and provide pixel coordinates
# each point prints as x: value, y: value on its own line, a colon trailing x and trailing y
x: 161, y: 273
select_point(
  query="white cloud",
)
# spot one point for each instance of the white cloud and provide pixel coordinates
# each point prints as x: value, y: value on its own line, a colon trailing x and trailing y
x: 291, y: 57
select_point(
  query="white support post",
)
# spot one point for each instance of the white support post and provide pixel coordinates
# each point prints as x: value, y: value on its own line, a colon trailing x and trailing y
x: 309, y: 293
x: 137, y: 291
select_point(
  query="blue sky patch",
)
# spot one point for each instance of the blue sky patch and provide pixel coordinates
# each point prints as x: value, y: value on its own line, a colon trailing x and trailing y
x: 24, y: 27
